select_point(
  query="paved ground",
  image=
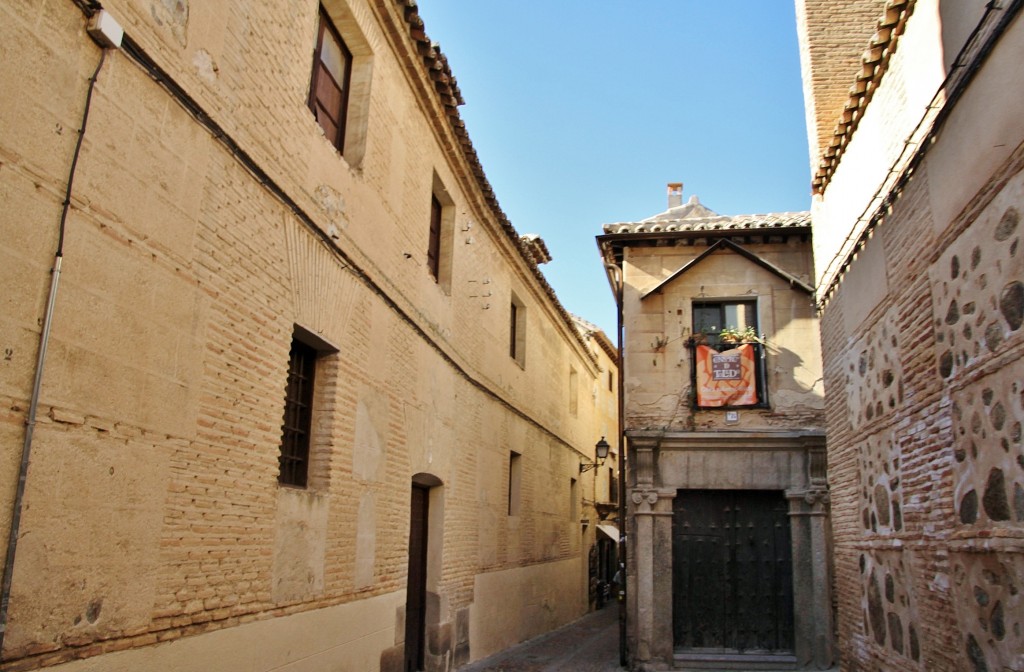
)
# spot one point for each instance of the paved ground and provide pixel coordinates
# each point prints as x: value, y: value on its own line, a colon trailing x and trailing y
x: 590, y: 644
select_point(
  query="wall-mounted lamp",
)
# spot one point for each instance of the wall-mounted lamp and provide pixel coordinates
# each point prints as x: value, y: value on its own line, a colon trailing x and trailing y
x: 601, y: 448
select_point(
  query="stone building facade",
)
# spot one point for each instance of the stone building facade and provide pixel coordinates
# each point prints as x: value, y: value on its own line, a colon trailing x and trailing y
x: 919, y: 191
x: 308, y: 402
x: 727, y: 524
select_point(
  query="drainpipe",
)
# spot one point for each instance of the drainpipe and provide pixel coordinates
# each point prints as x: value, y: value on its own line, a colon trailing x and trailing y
x: 615, y: 277
x: 44, y: 341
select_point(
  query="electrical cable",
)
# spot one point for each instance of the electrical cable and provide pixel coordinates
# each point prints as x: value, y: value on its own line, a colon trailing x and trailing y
x: 44, y: 340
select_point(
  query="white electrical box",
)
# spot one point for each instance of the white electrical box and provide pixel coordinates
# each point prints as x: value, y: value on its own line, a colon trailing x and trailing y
x: 105, y: 30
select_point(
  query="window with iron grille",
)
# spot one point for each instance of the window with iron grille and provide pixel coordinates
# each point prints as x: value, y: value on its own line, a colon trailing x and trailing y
x: 298, y: 415
x: 307, y: 351
x: 330, y: 83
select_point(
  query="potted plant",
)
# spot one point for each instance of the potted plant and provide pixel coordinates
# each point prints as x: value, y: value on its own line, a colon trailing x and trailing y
x: 735, y: 335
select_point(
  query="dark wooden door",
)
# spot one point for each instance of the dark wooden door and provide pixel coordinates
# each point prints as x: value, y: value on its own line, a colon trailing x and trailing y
x: 416, y: 592
x: 732, y: 572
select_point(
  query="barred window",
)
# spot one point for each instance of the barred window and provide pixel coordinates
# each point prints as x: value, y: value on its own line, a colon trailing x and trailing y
x: 307, y: 350
x: 298, y: 415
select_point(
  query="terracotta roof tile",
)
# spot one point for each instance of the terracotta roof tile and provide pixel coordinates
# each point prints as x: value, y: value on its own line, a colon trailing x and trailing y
x: 772, y: 220
x: 447, y: 88
x: 874, y: 64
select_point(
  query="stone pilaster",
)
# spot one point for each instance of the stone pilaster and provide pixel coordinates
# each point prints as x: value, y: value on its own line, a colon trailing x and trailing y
x: 651, y: 554
x: 812, y: 600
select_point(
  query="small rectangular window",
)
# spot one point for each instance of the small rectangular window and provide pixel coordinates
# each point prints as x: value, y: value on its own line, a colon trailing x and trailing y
x: 441, y: 235
x: 513, y: 336
x: 330, y: 83
x: 434, y: 243
x: 517, y: 331
x: 574, y: 512
x: 515, y: 478
x: 574, y: 392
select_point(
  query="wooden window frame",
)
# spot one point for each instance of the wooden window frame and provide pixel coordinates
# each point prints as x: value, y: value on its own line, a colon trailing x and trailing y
x: 321, y: 76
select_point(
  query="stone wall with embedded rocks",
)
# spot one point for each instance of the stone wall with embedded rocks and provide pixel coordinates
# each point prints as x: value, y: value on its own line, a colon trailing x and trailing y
x: 927, y: 458
x: 923, y: 345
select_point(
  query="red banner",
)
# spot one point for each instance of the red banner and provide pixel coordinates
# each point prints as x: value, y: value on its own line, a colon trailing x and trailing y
x: 726, y: 378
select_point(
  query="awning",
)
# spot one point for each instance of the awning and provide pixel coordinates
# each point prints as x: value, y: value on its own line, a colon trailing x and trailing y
x: 610, y: 531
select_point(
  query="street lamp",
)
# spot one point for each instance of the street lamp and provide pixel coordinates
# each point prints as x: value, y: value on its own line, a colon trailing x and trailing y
x: 601, y: 448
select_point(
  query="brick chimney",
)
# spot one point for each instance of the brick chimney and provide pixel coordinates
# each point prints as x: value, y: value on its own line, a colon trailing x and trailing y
x: 675, y: 194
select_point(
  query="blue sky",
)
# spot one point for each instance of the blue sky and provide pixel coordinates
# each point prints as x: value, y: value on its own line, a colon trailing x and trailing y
x: 582, y: 111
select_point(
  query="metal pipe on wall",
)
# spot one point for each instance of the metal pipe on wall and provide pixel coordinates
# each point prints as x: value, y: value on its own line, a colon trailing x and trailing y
x: 615, y: 277
x: 44, y: 341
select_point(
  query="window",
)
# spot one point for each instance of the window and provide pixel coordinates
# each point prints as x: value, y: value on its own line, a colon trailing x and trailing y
x: 574, y: 514
x: 298, y: 415
x: 440, y: 240
x: 728, y: 356
x: 296, y: 429
x: 611, y: 381
x: 710, y: 318
x: 574, y: 392
x: 517, y: 331
x: 331, y: 81
x: 613, y: 486
x: 434, y: 245
x: 515, y: 479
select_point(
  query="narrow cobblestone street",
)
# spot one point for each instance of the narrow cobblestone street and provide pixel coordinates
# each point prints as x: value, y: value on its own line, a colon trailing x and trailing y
x: 590, y: 644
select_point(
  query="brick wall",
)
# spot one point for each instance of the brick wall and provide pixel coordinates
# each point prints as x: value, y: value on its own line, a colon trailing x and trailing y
x: 152, y: 511
x: 922, y: 346
x: 833, y: 36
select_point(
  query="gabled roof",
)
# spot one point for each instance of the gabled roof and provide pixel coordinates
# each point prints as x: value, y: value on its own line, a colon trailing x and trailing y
x: 793, y: 281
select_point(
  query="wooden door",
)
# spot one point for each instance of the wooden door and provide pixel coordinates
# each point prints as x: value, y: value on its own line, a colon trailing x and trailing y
x: 732, y: 572
x: 416, y: 591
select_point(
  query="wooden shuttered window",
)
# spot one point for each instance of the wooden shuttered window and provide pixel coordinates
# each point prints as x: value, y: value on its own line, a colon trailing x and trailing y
x: 329, y: 86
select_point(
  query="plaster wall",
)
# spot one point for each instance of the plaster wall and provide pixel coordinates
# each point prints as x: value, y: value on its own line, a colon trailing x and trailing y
x: 544, y: 596
x: 346, y: 638
x: 915, y: 73
x: 658, y: 361
x: 152, y: 511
